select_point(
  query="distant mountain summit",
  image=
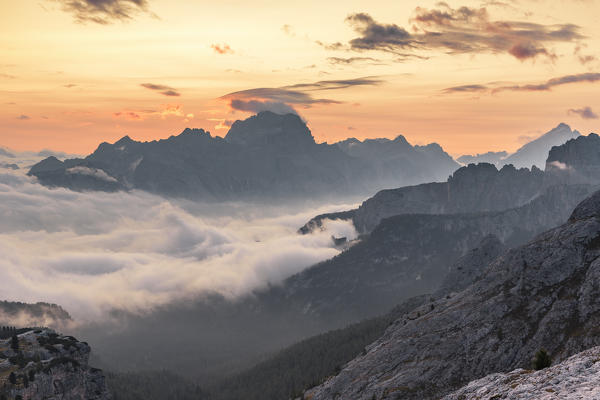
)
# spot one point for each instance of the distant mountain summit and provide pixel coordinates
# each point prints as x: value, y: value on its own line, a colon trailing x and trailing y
x: 265, y: 156
x: 532, y: 153
x: 536, y: 151
x: 269, y: 130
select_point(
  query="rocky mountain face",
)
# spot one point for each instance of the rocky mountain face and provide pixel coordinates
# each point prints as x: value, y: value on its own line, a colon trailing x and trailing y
x: 409, y: 254
x: 541, y: 295
x: 474, y: 188
x: 43, y: 365
x: 468, y: 268
x: 573, y: 379
x: 578, y: 160
x: 267, y: 155
x: 398, y: 160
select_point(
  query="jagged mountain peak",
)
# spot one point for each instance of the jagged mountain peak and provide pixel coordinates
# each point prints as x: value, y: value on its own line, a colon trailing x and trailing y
x: 268, y: 128
x: 125, y: 140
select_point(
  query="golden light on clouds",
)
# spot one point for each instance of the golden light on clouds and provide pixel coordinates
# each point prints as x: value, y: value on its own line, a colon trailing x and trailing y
x: 76, y: 73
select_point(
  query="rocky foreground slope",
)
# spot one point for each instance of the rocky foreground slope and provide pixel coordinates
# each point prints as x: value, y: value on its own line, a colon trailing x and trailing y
x: 576, y: 378
x: 42, y: 365
x: 544, y: 294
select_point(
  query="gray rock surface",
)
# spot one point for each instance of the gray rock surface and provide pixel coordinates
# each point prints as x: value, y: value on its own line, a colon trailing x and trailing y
x: 544, y: 294
x: 576, y: 378
x: 470, y: 267
x: 578, y: 160
x: 58, y: 365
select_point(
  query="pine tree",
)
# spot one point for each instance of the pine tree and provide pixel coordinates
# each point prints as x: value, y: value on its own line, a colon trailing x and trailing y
x: 541, y: 360
x: 14, y: 344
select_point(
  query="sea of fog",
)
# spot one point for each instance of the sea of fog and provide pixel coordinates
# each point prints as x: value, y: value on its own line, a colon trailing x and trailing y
x: 96, y: 252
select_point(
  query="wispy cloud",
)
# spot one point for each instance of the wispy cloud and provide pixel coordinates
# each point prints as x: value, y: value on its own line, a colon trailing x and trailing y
x: 590, y: 77
x: 166, y: 110
x: 283, y: 99
x: 23, y: 117
x: 352, y: 60
x: 162, y: 89
x: 466, y: 89
x: 104, y: 11
x: 222, y: 49
x: 585, y: 112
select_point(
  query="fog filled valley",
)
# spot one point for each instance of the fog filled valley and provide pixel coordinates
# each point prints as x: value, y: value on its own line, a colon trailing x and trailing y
x: 316, y: 294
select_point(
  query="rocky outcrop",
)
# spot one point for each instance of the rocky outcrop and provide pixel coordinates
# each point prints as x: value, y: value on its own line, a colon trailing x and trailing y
x: 575, y: 378
x: 267, y: 156
x: 48, y: 366
x: 541, y: 295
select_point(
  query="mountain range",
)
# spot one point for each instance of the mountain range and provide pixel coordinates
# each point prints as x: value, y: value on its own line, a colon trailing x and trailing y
x: 267, y: 155
x: 434, y: 260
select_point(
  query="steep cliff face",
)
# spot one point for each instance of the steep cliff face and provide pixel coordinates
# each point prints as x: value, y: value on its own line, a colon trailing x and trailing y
x: 48, y: 366
x: 573, y: 379
x: 541, y: 295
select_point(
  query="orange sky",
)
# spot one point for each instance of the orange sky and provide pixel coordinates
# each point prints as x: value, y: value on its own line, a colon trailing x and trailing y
x: 68, y: 82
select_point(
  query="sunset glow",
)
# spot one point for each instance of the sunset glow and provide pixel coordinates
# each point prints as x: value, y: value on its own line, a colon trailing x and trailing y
x: 72, y: 77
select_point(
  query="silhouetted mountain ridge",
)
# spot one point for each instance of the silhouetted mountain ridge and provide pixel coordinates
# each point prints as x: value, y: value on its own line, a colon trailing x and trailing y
x: 265, y: 156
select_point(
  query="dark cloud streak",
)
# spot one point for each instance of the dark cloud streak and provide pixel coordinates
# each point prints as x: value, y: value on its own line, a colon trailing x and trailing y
x: 104, y: 12
x: 284, y: 99
x: 162, y: 89
x: 585, y: 112
x: 589, y: 77
x: 456, y: 31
